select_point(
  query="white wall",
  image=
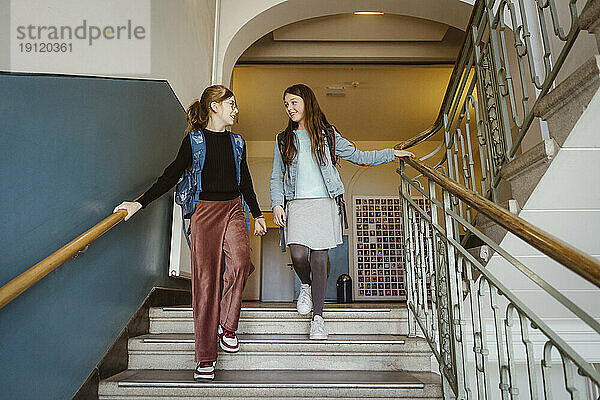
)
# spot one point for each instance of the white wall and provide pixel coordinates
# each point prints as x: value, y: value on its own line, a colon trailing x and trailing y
x: 585, y: 45
x: 4, y: 35
x: 182, y: 34
x: 182, y: 45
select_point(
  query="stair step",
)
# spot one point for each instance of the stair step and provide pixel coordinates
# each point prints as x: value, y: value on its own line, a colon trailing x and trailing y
x: 283, y: 339
x: 282, y: 318
x: 272, y: 384
x: 273, y: 352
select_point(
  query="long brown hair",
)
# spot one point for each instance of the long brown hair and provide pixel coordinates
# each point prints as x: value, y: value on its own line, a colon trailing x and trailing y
x: 314, y: 121
x: 198, y: 112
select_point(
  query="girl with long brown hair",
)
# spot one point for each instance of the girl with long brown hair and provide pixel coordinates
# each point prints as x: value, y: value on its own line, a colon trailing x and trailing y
x: 304, y: 179
x: 217, y: 159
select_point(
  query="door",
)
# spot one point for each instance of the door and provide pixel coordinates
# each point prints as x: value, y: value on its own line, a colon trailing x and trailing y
x: 277, y: 272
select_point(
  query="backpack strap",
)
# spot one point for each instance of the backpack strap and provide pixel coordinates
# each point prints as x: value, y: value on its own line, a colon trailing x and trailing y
x: 195, y: 150
x: 279, y: 143
x: 330, y: 136
x: 339, y: 199
x: 186, y: 232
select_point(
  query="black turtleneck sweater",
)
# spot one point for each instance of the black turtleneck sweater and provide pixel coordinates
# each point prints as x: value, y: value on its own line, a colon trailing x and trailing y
x: 219, y: 181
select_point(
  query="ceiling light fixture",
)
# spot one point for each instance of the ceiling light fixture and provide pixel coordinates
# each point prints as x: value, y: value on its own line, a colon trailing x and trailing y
x: 368, y: 13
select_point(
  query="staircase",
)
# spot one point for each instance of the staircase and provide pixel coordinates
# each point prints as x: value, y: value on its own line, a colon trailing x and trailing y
x: 561, y: 197
x: 367, y: 355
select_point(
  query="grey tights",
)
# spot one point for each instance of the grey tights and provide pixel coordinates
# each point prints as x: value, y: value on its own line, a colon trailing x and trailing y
x: 318, y: 267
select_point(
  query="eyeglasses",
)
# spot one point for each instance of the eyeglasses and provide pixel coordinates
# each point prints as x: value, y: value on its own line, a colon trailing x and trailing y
x: 231, y: 104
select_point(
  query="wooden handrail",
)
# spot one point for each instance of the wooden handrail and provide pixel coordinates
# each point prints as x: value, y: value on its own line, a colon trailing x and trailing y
x: 21, y: 283
x: 572, y: 258
x: 420, y: 137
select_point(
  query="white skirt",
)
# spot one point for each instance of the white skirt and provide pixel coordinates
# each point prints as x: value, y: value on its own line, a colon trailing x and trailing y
x: 314, y: 223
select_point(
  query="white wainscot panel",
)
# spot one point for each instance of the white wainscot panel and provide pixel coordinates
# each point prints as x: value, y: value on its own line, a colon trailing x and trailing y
x: 572, y: 182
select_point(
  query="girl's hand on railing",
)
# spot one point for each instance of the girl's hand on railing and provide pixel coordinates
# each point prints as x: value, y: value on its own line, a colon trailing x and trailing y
x: 279, y: 216
x: 130, y: 206
x: 403, y: 153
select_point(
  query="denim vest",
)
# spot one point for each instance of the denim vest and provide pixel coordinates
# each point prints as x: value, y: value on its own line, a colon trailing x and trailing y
x: 190, y: 186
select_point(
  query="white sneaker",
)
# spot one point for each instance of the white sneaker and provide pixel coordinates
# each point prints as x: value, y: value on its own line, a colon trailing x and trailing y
x: 205, y: 370
x: 304, y: 304
x: 317, y: 328
x: 228, y: 340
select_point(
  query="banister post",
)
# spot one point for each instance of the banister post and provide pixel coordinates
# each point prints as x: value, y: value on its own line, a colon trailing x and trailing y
x: 408, y: 259
x: 449, y: 286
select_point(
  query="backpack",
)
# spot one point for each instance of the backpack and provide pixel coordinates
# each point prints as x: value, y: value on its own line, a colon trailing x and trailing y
x: 186, y: 193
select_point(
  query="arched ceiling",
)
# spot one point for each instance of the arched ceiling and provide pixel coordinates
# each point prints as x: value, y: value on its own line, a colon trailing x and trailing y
x: 243, y: 23
x: 362, y: 39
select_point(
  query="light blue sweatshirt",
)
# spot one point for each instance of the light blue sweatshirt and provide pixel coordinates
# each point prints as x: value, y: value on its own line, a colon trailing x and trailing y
x: 310, y: 184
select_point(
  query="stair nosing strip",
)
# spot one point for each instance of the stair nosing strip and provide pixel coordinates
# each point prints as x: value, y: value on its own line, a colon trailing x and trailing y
x: 284, y: 341
x: 379, y: 310
x: 370, y: 385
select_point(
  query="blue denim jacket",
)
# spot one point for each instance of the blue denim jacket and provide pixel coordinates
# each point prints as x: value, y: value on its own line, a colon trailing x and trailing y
x: 190, y: 187
x: 283, y: 177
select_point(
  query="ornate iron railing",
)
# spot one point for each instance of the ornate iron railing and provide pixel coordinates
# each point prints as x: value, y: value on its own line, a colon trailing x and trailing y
x: 492, y: 92
x: 488, y: 341
x: 477, y: 327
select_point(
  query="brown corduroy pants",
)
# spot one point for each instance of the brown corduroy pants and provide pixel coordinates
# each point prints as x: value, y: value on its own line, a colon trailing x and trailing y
x: 218, y: 231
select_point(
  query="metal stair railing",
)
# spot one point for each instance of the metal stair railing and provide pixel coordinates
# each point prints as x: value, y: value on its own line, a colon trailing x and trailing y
x: 489, y: 343
x: 470, y: 318
x: 505, y: 66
